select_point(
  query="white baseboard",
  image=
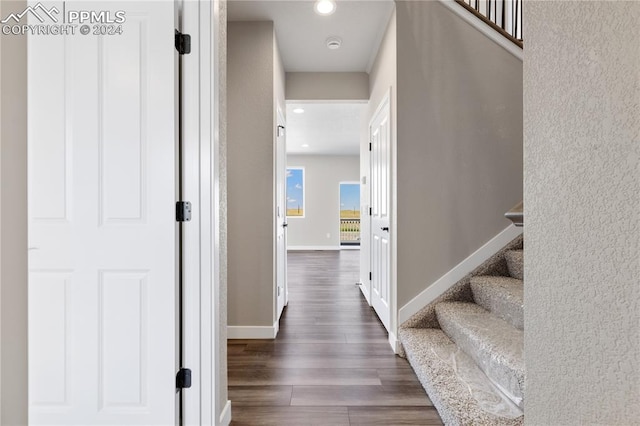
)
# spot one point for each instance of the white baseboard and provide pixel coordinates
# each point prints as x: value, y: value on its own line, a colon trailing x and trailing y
x: 445, y: 282
x: 225, y: 416
x: 312, y: 248
x: 253, y: 331
x: 485, y: 29
x: 349, y: 247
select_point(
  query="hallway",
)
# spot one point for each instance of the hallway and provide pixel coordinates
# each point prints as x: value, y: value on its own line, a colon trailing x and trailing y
x: 331, y: 363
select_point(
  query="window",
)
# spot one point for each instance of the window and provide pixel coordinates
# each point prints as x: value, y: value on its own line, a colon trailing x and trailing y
x: 295, y: 192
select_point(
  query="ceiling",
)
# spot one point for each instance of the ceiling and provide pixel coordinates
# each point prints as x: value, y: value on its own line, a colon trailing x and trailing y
x: 301, y: 33
x: 327, y: 128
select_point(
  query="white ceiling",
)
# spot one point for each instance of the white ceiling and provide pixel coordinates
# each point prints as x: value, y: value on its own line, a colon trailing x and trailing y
x: 302, y: 34
x: 328, y: 128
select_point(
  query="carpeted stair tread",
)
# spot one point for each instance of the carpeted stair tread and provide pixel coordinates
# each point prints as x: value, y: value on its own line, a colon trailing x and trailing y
x: 515, y: 263
x: 462, y: 396
x: 495, y: 345
x: 503, y: 296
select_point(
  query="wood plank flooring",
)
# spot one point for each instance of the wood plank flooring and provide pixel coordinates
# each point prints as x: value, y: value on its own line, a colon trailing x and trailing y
x: 331, y: 363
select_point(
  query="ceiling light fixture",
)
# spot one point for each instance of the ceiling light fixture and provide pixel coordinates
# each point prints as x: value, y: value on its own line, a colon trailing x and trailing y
x: 325, y: 7
x: 298, y: 110
x: 305, y: 145
x: 334, y: 43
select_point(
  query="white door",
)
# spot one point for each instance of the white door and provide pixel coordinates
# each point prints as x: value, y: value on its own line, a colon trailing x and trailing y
x: 281, y: 217
x: 380, y: 138
x: 102, y: 230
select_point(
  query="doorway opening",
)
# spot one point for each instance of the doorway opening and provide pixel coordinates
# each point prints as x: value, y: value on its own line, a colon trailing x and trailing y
x: 323, y: 172
x: 350, y: 215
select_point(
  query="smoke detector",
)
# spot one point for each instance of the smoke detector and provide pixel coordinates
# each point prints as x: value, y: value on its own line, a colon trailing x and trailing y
x: 334, y: 43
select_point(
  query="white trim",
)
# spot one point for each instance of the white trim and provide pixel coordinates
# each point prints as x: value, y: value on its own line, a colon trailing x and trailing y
x: 225, y: 416
x: 365, y: 292
x: 485, y: 29
x: 201, y: 297
x: 253, y: 331
x: 195, y: 271
x: 393, y: 341
x: 349, y: 247
x: 312, y: 248
x: 449, y: 279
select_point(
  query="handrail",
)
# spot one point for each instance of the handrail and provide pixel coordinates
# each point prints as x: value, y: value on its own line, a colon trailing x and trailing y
x: 504, y: 16
x: 516, y: 214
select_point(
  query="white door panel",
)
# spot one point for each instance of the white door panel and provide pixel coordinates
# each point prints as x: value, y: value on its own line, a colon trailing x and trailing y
x: 102, y: 192
x: 380, y: 137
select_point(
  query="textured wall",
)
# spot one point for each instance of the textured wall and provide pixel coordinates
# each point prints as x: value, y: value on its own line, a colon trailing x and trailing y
x: 250, y: 177
x: 323, y: 174
x: 223, y: 395
x: 13, y: 224
x: 582, y: 198
x: 459, y: 142
x: 314, y: 86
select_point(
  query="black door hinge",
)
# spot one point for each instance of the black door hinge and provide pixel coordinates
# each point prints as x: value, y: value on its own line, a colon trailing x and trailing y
x: 183, y: 43
x: 370, y: 146
x: 370, y: 211
x: 183, y: 211
x: 370, y: 276
x: 183, y: 379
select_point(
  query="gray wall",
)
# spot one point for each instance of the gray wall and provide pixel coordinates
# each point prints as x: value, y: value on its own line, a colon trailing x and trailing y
x: 251, y: 83
x: 315, y: 86
x: 323, y: 174
x: 582, y: 198
x: 13, y: 224
x: 459, y: 159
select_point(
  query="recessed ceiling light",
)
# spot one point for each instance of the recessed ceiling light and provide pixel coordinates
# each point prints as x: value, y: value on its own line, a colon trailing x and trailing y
x: 305, y: 145
x: 298, y: 110
x: 325, y: 7
x: 334, y: 43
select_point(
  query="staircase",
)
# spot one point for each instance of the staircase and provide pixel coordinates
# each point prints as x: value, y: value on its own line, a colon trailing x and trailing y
x: 467, y: 347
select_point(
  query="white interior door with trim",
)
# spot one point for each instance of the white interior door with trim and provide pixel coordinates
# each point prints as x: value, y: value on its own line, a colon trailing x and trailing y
x: 102, y: 230
x: 281, y: 216
x: 380, y: 139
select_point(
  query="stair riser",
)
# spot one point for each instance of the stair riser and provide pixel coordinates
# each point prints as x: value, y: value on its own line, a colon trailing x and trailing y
x: 495, y: 346
x: 515, y: 263
x: 503, y: 299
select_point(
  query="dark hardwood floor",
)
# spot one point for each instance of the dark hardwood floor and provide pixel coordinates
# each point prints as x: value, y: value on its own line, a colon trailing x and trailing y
x: 331, y: 363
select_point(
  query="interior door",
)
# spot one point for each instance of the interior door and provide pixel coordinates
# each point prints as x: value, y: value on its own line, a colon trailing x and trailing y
x: 281, y: 216
x: 102, y: 229
x: 380, y: 137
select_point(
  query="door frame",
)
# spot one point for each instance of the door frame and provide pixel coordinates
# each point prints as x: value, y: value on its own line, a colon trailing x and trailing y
x: 281, y: 121
x: 204, y: 321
